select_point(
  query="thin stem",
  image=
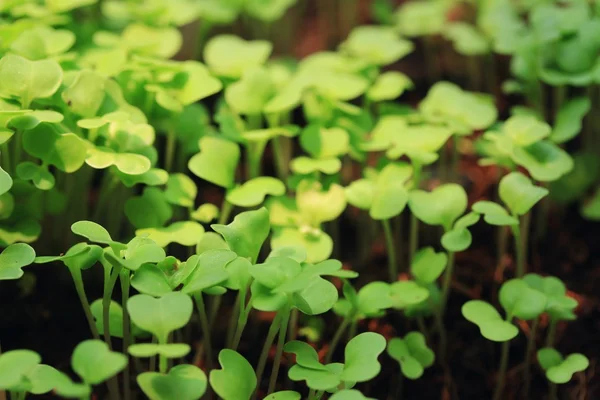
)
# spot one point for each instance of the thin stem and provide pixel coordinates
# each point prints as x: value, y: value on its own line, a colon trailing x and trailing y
x: 125, y: 275
x: 110, y: 279
x: 553, y: 391
x: 447, y: 281
x: 525, y: 228
x: 279, y: 351
x: 502, y: 371
x: 170, y: 149
x: 293, y: 333
x: 528, y: 355
x: 389, y: 243
x: 225, y: 212
x: 79, y: 287
x: 431, y: 60
x: 215, y: 305
x: 455, y: 166
x: 551, y: 333
x: 414, y: 222
x: 337, y: 336
x: 242, y: 320
x: 519, y: 249
x: 423, y: 328
x: 234, y: 317
x: 152, y: 362
x: 163, y: 364
x: 205, y: 328
x: 262, y: 361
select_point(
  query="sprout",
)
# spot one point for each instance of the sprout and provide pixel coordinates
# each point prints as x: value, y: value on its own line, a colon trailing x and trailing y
x: 13, y: 258
x: 185, y: 382
x: 376, y: 45
x: 412, y: 354
x: 229, y: 56
x: 236, y: 379
x: 561, y: 369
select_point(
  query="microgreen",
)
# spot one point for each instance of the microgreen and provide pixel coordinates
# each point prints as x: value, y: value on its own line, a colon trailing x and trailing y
x: 236, y: 379
x: 560, y: 369
x: 412, y: 353
x: 13, y: 258
x: 186, y: 382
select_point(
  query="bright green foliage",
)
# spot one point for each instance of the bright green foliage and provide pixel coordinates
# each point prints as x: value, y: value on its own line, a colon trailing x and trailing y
x: 253, y: 192
x: 160, y: 316
x: 169, y: 350
x: 519, y: 193
x: 442, y: 206
x: 559, y: 305
x: 246, y: 234
x: 389, y: 86
x: 5, y: 182
x: 371, y: 301
x: 13, y: 258
x: 412, y: 353
x: 519, y: 300
x: 81, y: 256
x: 236, y: 380
x: 181, y: 190
x: 151, y: 209
x: 384, y: 194
x: 204, y: 271
x: 427, y: 265
x: 95, y: 363
x: 377, y: 45
x: 15, y: 365
x: 558, y: 368
x: 489, y: 321
x: 285, y: 395
x: 569, y: 119
x: 467, y: 40
x: 407, y: 293
x: 28, y: 80
x: 186, y: 233
x: 494, y: 214
x: 216, y: 151
x: 185, y: 382
x: 229, y: 56
x: 205, y: 213
x: 360, y: 365
x: 421, y: 18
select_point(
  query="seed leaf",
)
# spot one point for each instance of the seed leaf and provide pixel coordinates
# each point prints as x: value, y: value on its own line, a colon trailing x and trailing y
x: 229, y: 56
x: 149, y: 210
x: 521, y: 301
x: 361, y: 355
x: 16, y: 365
x: 494, y: 214
x: 246, y: 234
x: 412, y: 353
x: 186, y: 233
x: 181, y: 190
x: 558, y: 370
x: 544, y: 160
x: 216, y: 151
x: 324, y: 143
x: 5, y: 181
x: 427, y: 265
x: 13, y: 258
x: 442, y: 206
x: 389, y: 86
x: 183, y: 382
x: 377, y: 45
x: 305, y: 165
x: 519, y: 194
x: 160, y: 316
x: 209, y: 272
x: 95, y: 363
x: 66, y: 151
x: 457, y: 239
x: 569, y: 119
x: 407, y: 293
x: 285, y: 395
x: 169, y: 350
x: 317, y: 243
x: 236, y: 380
x: 149, y: 279
x: 489, y: 321
x: 349, y: 394
x: 317, y: 206
x: 253, y: 192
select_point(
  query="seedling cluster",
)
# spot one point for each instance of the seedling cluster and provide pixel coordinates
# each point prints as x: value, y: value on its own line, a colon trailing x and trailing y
x: 211, y: 183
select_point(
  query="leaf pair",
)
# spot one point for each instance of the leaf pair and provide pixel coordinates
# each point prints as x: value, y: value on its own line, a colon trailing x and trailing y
x: 412, y: 353
x: 558, y: 368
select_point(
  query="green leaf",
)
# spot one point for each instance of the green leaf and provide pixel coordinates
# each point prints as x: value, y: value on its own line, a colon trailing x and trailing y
x: 210, y: 271
x: 169, y: 350
x: 28, y: 80
x: 251, y: 93
x: 13, y: 258
x: 323, y: 143
x: 16, y: 365
x: 519, y: 194
x: 216, y: 151
x: 489, y: 321
x: 494, y: 214
x: 412, y: 354
x: 42, y: 42
x: 95, y: 363
x: 467, y: 39
x: 591, y: 209
x: 457, y: 239
x: 318, y: 297
x: 127, y: 163
x: 305, y: 165
x: 66, y: 151
x: 389, y: 86
x: 317, y: 243
x: 183, y: 382
x: 421, y: 19
x: 236, y: 380
x: 5, y: 181
x: 253, y: 192
x: 160, y: 316
x: 246, y: 234
x: 390, y: 196
x: 81, y: 256
x: 520, y: 300
x: 407, y: 293
x: 564, y: 371
x: 569, y: 119
x: 284, y: 395
x: 377, y: 45
x: 38, y: 174
x: 181, y: 190
x: 186, y: 233
x: 149, y: 279
x: 229, y: 56
x: 526, y: 130
x: 427, y: 265
x: 361, y: 355
x: 442, y: 206
x: 549, y: 357
x: 349, y: 394
x: 85, y: 92
x: 205, y: 213
x: 317, y: 206
x: 91, y: 231
x: 544, y: 160
x: 373, y: 298
x: 115, y: 317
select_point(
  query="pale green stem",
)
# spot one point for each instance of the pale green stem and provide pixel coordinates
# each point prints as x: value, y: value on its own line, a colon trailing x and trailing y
x: 389, y: 242
x: 170, y: 149
x: 447, y: 281
x: 337, y: 336
x: 225, y: 212
x: 198, y: 297
x: 529, y: 354
x: 502, y: 371
x: 262, y: 361
x: 125, y: 275
x: 279, y: 351
x: 80, y: 288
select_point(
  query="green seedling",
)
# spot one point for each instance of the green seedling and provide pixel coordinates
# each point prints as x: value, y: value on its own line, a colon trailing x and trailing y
x: 412, y: 354
x: 384, y: 196
x: 421, y: 19
x: 560, y: 369
x: 361, y: 364
x: 520, y: 195
x: 389, y: 86
x: 186, y: 382
x: 236, y: 379
x: 299, y: 223
x: 377, y: 45
x: 466, y: 39
x: 229, y: 56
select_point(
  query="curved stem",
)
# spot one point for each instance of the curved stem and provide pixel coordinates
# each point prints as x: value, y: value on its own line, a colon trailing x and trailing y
x: 502, y: 371
x: 551, y: 333
x: 389, y: 243
x: 519, y: 250
x: 447, y: 282
x: 528, y: 354
x: 110, y: 278
x: 285, y: 320
x: 125, y: 275
x: 262, y: 361
x: 198, y: 297
x: 225, y: 212
x: 79, y: 287
x: 337, y: 336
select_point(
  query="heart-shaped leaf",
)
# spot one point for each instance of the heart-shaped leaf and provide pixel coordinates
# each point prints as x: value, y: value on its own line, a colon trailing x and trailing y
x: 520, y: 300
x: 149, y: 279
x: 442, y: 206
x: 519, y: 194
x: 377, y: 45
x: 246, y: 234
x: 494, y: 214
x: 169, y: 350
x: 13, y: 258
x: 305, y: 165
x: 569, y: 119
x: 412, y: 354
x: 317, y: 206
x: 128, y: 163
x: 16, y: 365
x: 322, y: 143
x: 489, y: 321
x: 236, y: 380
x: 183, y: 382
x: 253, y: 192
x: 160, y: 316
x: 216, y: 151
x: 349, y: 394
x: 95, y: 363
x: 361, y: 355
x: 427, y: 265
x: 407, y: 293
x: 317, y: 243
x: 209, y: 272
x: 186, y: 233
x: 559, y: 370
x: 229, y: 56
x: 66, y: 151
x: 389, y: 86
x: 149, y: 210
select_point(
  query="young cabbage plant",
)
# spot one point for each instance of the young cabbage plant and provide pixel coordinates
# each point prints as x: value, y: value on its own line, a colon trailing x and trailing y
x: 299, y: 222
x: 519, y: 195
x: 518, y: 300
x: 280, y: 284
x: 444, y: 206
x: 361, y: 364
x: 560, y: 369
x: 384, y: 195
